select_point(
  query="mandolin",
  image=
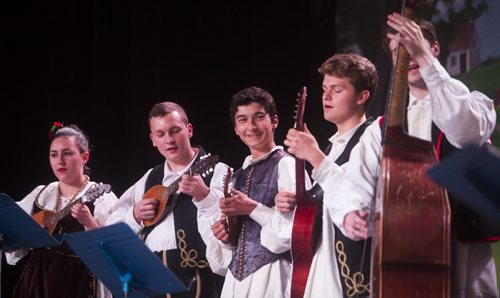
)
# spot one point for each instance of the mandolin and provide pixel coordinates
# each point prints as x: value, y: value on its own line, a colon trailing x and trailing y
x: 234, y: 223
x: 163, y: 193
x: 49, y: 219
x: 303, y: 245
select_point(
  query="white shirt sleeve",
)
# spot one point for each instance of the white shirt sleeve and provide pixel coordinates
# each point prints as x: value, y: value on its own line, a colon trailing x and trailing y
x: 464, y: 117
x: 123, y: 210
x: 208, y: 209
x: 328, y: 175
x: 218, y: 254
x: 358, y: 184
x: 276, y: 226
x: 103, y: 206
x: 27, y: 205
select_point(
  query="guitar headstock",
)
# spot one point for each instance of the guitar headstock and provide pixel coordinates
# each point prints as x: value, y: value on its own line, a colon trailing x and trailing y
x: 95, y: 191
x: 299, y: 113
x: 227, y: 182
x: 205, y: 165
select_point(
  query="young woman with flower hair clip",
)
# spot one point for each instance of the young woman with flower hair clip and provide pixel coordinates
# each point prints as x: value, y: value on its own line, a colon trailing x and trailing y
x: 57, y: 271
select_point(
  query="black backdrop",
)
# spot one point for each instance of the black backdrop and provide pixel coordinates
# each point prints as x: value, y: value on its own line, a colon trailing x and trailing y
x: 102, y: 64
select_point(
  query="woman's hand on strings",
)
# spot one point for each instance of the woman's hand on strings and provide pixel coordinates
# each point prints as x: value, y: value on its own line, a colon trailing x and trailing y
x: 82, y: 214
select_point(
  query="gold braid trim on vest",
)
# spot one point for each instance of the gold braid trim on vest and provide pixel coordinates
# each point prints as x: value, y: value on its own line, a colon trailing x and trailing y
x: 189, y: 257
x: 355, y: 284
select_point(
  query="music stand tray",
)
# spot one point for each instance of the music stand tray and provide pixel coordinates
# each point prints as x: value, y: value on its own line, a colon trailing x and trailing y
x: 123, y: 262
x: 471, y: 174
x: 19, y: 231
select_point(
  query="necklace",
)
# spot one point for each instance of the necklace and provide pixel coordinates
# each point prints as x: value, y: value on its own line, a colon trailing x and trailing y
x: 59, y: 193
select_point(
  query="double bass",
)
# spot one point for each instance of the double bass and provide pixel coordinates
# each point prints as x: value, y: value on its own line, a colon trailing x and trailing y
x: 411, y: 223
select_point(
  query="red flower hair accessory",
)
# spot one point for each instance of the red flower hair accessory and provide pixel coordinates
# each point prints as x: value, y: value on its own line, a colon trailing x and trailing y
x: 55, y: 127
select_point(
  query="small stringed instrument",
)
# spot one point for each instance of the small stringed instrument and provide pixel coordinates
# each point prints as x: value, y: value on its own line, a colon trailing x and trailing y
x: 303, y: 245
x: 234, y: 223
x: 411, y: 231
x: 162, y: 193
x: 49, y: 219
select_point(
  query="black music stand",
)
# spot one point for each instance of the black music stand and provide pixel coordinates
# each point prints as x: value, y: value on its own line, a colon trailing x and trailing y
x: 472, y: 175
x: 123, y: 262
x: 19, y: 231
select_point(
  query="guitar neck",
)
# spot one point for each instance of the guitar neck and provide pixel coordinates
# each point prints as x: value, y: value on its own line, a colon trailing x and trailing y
x: 65, y: 211
x: 300, y: 183
x: 174, y: 186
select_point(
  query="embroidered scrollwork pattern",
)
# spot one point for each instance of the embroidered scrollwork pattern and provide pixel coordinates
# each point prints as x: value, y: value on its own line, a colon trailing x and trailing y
x: 189, y: 257
x: 355, y: 283
x: 92, y: 285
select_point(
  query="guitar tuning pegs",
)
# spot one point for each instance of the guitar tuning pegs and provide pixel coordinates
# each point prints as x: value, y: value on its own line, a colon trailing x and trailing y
x: 203, y: 175
x: 211, y: 169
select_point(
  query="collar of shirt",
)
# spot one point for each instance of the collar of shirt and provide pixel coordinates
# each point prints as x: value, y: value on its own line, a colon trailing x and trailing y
x: 170, y: 175
x: 249, y: 160
x: 343, y: 138
x: 419, y: 103
x: 339, y: 141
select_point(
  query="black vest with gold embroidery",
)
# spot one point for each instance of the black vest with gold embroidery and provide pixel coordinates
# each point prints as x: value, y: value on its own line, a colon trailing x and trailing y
x: 188, y: 262
x: 349, y: 253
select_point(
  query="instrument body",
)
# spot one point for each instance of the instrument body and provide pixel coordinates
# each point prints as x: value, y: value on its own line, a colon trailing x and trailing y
x: 411, y: 233
x: 163, y: 193
x: 235, y: 222
x: 303, y: 240
x: 49, y: 219
x: 411, y: 242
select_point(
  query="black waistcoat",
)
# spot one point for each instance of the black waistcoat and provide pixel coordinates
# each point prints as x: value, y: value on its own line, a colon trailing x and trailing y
x: 188, y: 259
x: 349, y: 253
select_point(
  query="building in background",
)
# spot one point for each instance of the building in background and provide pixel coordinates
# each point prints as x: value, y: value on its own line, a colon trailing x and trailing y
x: 464, y: 51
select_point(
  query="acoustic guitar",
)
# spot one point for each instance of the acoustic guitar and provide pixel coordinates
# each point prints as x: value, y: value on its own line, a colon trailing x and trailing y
x: 163, y: 193
x: 49, y: 219
x: 303, y: 245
